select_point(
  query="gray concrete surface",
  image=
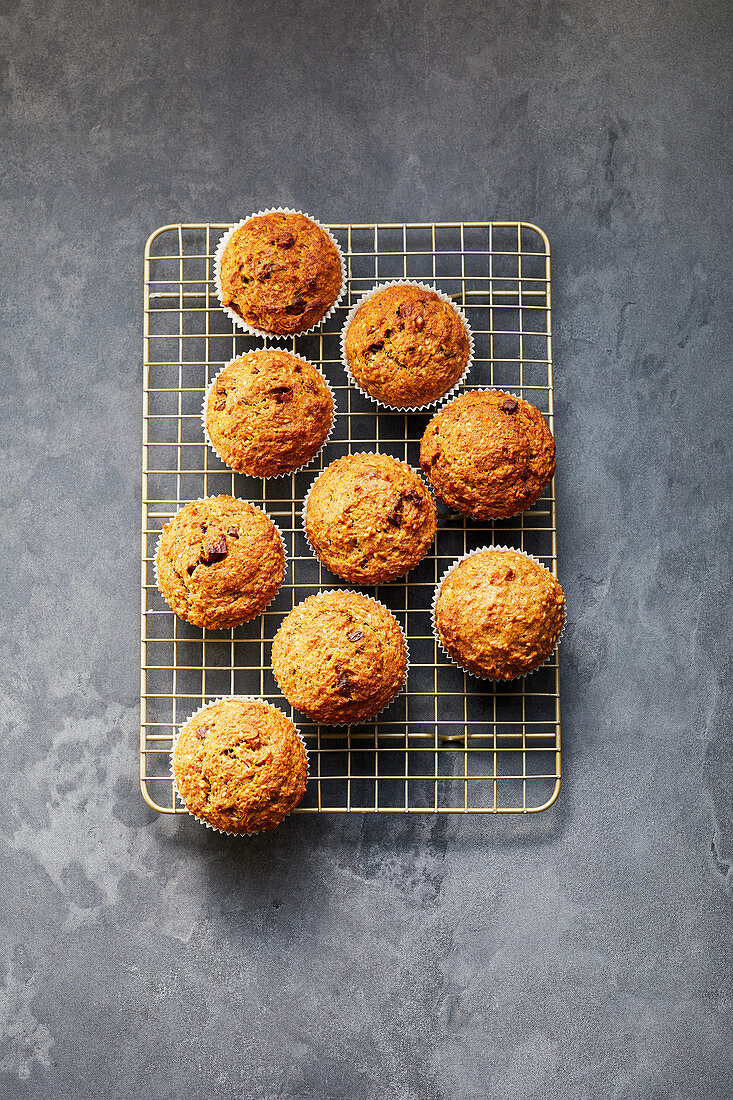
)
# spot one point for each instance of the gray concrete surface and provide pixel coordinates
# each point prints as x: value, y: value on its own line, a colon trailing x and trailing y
x: 582, y: 953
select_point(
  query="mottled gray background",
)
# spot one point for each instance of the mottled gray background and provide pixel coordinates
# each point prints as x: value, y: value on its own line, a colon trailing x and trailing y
x: 580, y: 953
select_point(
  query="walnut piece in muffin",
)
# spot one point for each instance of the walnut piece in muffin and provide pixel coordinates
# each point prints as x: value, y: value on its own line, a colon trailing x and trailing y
x: 219, y: 562
x: 240, y: 765
x: 488, y: 454
x: 406, y: 347
x: 499, y: 614
x: 281, y: 273
x: 339, y: 657
x: 369, y: 518
x: 268, y: 412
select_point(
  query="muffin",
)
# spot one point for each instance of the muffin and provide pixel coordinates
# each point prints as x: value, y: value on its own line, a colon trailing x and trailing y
x: 280, y: 273
x: 240, y: 766
x: 268, y: 413
x: 369, y: 518
x: 219, y: 562
x: 406, y: 346
x: 339, y: 657
x: 488, y: 454
x: 498, y: 613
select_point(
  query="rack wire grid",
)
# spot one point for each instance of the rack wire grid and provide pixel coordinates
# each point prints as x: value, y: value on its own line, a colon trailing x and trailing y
x: 449, y: 743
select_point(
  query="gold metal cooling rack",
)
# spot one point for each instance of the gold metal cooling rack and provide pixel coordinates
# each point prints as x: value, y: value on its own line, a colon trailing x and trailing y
x: 450, y: 743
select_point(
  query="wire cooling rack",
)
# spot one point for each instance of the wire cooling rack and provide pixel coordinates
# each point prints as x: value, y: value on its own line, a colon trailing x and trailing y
x: 450, y: 743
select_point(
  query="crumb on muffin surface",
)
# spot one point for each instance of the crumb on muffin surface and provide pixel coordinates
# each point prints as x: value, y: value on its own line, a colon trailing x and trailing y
x: 219, y: 562
x: 240, y: 765
x: 406, y: 347
x: 339, y: 657
x: 281, y: 273
x: 268, y: 413
x: 369, y: 518
x: 488, y: 454
x: 499, y: 614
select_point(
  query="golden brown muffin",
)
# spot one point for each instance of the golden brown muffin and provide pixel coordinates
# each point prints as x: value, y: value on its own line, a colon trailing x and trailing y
x: 339, y: 657
x: 406, y: 347
x: 240, y: 765
x: 488, y: 454
x: 220, y: 561
x: 268, y: 413
x: 369, y: 518
x: 280, y: 273
x: 499, y: 614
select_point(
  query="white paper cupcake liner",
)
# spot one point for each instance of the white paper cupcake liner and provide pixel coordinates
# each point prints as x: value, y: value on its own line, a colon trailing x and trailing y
x: 286, y: 473
x: 200, y: 500
x: 422, y: 286
x: 367, y: 454
x: 479, y: 676
x: 400, y: 690
x: 235, y: 316
x: 205, y: 706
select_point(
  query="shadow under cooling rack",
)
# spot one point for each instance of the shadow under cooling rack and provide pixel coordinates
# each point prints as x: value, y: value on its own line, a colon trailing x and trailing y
x: 450, y: 743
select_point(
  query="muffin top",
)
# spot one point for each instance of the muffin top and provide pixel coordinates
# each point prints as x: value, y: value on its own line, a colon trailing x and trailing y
x: 339, y: 657
x: 499, y: 614
x: 369, y: 518
x: 240, y: 765
x: 406, y: 347
x: 268, y: 413
x: 220, y: 561
x: 488, y: 454
x: 280, y: 273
